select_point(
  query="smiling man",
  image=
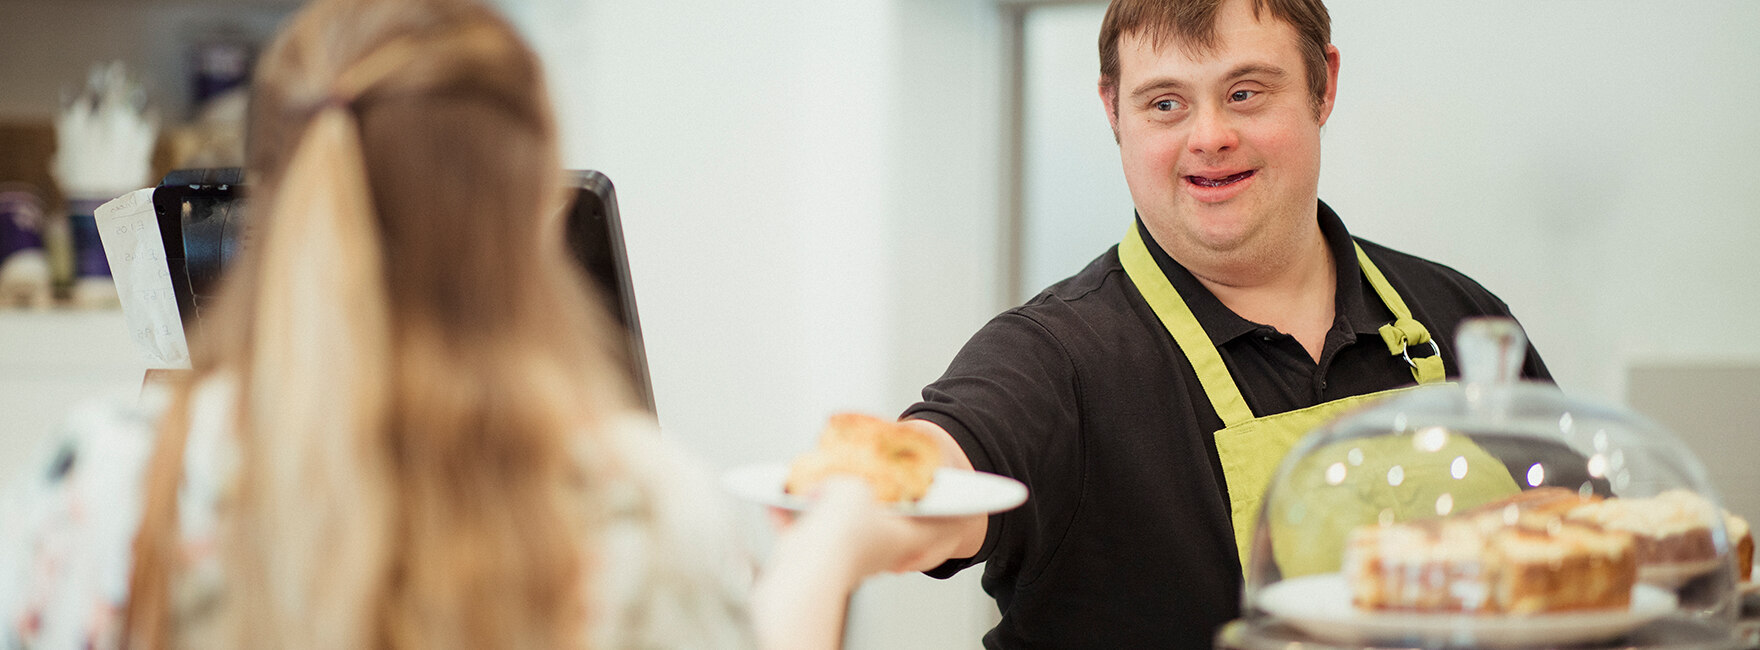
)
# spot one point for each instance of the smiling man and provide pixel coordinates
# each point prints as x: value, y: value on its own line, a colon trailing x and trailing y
x: 1145, y: 399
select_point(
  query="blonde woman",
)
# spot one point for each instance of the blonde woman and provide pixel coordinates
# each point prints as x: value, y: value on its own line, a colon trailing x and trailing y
x: 404, y: 429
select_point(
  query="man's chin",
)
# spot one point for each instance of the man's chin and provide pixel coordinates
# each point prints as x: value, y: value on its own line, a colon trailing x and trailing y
x: 1197, y: 234
x: 1222, y: 225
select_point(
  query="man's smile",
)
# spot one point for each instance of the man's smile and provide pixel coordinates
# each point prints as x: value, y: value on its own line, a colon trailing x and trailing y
x: 1218, y: 181
x: 1211, y: 186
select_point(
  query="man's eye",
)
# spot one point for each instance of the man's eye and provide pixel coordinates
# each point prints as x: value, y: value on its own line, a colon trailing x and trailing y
x: 1242, y: 95
x: 1166, y: 105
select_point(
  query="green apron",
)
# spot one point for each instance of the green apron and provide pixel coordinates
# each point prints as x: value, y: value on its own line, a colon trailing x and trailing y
x: 1251, y: 448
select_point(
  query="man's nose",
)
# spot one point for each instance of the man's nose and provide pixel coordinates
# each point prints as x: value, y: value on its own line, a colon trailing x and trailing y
x: 1213, y: 131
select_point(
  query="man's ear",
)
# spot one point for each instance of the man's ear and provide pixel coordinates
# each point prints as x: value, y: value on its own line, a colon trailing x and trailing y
x: 1109, y: 101
x: 1331, y: 83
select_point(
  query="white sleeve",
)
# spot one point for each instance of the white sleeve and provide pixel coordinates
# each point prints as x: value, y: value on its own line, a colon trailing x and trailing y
x: 673, y: 570
x: 71, y: 517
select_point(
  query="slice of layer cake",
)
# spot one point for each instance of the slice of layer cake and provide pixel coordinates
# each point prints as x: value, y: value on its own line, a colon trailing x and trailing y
x: 1742, y: 538
x: 1672, y: 530
x: 1518, y: 556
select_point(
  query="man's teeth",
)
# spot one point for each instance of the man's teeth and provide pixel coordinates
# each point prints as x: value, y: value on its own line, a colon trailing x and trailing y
x: 1218, y: 182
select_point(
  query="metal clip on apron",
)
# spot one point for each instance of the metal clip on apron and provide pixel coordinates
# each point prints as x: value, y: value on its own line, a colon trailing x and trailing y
x: 1252, y: 447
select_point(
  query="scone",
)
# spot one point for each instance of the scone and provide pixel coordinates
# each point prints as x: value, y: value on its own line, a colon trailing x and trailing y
x: 896, y: 460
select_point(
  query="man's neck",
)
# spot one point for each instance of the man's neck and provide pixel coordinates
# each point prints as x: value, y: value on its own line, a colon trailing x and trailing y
x: 1292, y: 290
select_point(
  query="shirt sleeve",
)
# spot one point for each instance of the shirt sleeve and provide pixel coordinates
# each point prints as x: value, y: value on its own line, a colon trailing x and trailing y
x: 66, y: 556
x: 1011, y: 400
x: 672, y: 570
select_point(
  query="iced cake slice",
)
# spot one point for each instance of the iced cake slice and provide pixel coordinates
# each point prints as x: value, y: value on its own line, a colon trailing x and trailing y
x: 1672, y: 529
x: 1742, y: 538
x: 1515, y: 557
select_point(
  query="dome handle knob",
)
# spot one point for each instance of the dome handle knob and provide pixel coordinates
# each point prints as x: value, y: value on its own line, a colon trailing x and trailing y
x: 1491, y: 350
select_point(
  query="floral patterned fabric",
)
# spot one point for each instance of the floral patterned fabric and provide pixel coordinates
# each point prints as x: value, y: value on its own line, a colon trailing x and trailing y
x: 671, y: 572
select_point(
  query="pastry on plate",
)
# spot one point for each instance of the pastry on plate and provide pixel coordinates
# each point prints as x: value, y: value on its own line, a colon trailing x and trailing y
x: 897, y: 460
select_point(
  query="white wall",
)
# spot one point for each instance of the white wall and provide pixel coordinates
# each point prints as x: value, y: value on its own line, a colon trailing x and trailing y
x: 1075, y: 203
x: 809, y: 193
x: 1592, y: 163
x: 50, y: 362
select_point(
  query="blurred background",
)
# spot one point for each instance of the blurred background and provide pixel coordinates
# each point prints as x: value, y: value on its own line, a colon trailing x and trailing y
x: 823, y: 200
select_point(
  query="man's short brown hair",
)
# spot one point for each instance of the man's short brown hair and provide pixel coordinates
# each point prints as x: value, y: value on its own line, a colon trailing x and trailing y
x: 1191, y: 24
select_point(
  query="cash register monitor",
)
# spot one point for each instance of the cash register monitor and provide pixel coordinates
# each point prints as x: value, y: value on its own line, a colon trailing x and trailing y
x: 202, y: 219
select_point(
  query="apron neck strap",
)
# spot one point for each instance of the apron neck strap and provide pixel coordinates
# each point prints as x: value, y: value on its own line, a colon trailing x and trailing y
x: 1404, y: 331
x: 1213, y: 374
x: 1178, y: 319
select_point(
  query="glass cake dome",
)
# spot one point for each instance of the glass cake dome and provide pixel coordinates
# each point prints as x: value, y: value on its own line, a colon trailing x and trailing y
x: 1492, y: 513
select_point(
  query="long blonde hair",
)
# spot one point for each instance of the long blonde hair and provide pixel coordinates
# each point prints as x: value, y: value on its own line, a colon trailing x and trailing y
x: 420, y: 370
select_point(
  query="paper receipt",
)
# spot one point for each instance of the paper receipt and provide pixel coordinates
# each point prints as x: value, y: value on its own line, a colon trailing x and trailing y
x: 132, y: 244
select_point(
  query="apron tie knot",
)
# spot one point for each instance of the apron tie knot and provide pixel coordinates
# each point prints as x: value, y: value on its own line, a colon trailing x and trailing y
x: 1402, y: 333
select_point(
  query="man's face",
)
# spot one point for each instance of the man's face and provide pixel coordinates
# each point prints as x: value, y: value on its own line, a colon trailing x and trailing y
x: 1222, y: 152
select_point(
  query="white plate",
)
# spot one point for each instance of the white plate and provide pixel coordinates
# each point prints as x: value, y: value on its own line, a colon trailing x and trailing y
x: 1321, y: 606
x: 954, y: 492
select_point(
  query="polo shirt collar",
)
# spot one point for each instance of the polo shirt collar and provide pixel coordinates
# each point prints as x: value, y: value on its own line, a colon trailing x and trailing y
x: 1351, y: 308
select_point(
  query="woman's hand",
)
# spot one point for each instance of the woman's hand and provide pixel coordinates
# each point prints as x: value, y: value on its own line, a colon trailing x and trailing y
x: 846, y: 519
x: 822, y: 555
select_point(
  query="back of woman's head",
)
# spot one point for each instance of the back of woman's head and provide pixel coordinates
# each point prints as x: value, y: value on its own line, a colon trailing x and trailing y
x: 418, y: 369
x: 457, y: 139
